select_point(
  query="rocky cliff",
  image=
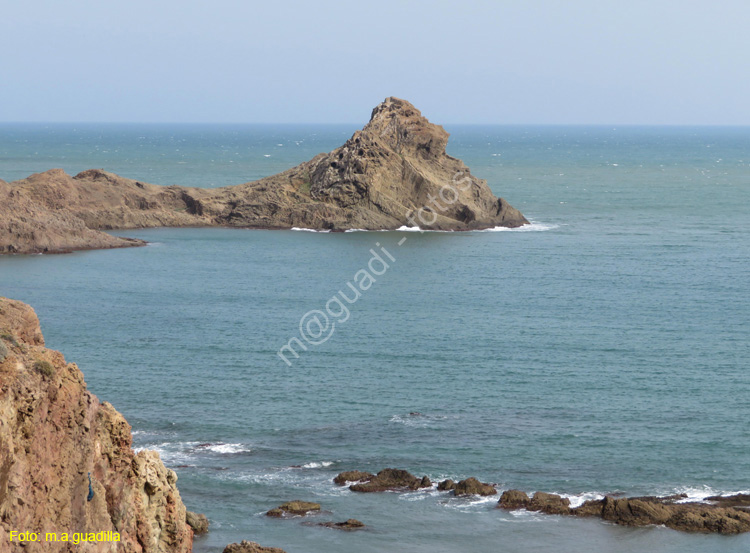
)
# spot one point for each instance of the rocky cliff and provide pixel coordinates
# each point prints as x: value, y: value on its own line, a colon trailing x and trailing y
x: 393, y: 172
x: 66, y: 462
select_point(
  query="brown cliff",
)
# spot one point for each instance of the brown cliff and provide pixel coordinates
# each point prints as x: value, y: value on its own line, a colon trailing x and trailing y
x: 53, y: 434
x: 393, y: 172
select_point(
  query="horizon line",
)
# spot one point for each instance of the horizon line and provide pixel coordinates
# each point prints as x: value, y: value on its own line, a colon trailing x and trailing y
x: 265, y: 123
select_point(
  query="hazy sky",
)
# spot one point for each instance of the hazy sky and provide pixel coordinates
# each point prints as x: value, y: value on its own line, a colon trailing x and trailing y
x: 504, y: 61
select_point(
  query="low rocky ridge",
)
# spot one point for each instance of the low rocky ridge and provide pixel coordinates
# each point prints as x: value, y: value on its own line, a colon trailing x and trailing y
x: 294, y: 508
x: 390, y: 480
x: 717, y: 514
x: 727, y: 515
x: 66, y: 462
x: 393, y: 172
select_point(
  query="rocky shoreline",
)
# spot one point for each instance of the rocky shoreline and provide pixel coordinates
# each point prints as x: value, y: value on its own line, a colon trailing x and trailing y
x: 392, y: 173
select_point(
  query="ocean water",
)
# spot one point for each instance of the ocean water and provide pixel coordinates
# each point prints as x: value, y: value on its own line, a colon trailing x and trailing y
x: 604, y: 349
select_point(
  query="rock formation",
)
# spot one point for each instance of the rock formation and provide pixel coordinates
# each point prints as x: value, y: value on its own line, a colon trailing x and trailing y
x: 198, y: 522
x: 727, y: 516
x: 389, y: 480
x: 349, y: 524
x: 393, y: 172
x: 294, y: 508
x: 66, y: 462
x: 250, y: 547
x: 472, y: 486
x: 352, y: 476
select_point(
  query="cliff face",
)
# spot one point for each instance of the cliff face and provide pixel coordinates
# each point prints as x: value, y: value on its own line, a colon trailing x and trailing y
x: 393, y: 172
x: 53, y: 435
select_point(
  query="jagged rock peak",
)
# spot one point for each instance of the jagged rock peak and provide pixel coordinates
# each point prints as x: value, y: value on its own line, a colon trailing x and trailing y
x: 402, y: 126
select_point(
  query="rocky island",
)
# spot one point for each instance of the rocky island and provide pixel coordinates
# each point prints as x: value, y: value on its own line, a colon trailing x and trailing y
x: 392, y: 173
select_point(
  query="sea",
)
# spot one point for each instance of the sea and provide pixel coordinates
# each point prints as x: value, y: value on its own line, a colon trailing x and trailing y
x: 602, y: 349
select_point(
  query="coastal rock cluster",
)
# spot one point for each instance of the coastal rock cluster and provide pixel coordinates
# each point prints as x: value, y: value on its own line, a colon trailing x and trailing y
x: 724, y: 515
x: 66, y: 462
x: 393, y: 172
x: 717, y: 514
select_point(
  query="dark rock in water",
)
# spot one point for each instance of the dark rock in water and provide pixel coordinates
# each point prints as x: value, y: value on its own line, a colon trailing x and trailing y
x: 549, y: 503
x: 350, y: 524
x: 737, y: 500
x: 197, y: 521
x: 250, y: 547
x: 353, y: 476
x: 642, y: 511
x: 513, y: 499
x: 446, y: 485
x: 294, y: 508
x: 472, y: 486
x: 392, y: 479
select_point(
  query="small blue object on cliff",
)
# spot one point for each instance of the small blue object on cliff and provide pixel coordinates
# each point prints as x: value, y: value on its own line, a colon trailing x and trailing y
x: 91, y: 490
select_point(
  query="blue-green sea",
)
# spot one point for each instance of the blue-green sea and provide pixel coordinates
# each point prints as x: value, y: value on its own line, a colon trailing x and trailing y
x: 603, y: 349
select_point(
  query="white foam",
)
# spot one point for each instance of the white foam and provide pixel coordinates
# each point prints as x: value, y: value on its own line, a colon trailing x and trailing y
x: 225, y: 448
x: 300, y: 229
x: 404, y: 228
x: 697, y: 494
x: 531, y: 227
x: 578, y: 499
x: 320, y: 465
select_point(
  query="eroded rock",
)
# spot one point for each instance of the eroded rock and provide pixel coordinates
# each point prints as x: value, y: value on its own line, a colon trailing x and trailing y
x: 352, y: 476
x: 392, y: 480
x: 294, y: 508
x: 393, y: 172
x: 472, y: 486
x: 250, y: 547
x: 349, y: 524
x: 66, y: 460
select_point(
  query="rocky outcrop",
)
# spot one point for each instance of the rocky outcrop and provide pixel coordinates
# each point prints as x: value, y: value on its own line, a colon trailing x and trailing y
x: 352, y: 476
x: 392, y: 480
x: 250, y: 547
x: 393, y: 172
x: 472, y: 486
x: 642, y: 511
x: 198, y: 522
x: 66, y: 462
x: 294, y: 508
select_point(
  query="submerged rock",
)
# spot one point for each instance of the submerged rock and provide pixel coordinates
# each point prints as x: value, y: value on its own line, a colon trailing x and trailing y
x: 392, y: 480
x: 250, y: 547
x: 349, y: 524
x: 294, y: 508
x: 393, y: 172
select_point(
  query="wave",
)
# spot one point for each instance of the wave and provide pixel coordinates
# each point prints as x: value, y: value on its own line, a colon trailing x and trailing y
x: 223, y: 448
x: 314, y: 465
x: 301, y: 229
x: 185, y: 453
x: 531, y: 227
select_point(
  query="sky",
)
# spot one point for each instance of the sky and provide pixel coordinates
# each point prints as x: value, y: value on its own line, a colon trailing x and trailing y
x: 655, y: 62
